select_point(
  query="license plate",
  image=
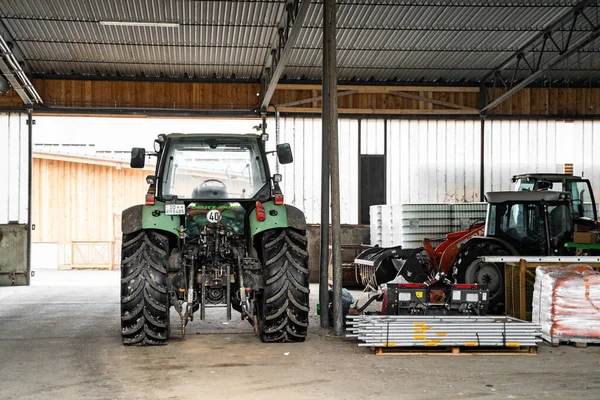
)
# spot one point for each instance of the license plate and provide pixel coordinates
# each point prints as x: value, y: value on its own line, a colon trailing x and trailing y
x: 175, y: 209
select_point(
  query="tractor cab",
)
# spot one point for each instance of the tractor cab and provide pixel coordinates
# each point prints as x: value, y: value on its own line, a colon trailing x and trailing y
x: 583, y: 205
x: 530, y: 223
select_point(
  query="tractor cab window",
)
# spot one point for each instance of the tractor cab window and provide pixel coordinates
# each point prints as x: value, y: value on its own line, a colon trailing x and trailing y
x: 582, y: 200
x: 520, y: 224
x: 559, y: 221
x: 213, y: 169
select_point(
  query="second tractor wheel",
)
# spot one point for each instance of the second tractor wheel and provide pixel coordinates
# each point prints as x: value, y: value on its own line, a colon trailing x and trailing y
x: 470, y: 269
x: 283, y: 314
x: 144, y: 297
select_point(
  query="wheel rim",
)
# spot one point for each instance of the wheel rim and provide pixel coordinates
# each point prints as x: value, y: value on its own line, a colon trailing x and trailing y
x: 483, y: 273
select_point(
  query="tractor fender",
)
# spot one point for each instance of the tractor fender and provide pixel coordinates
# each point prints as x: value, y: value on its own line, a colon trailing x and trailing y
x: 149, y: 216
x: 295, y: 218
x: 481, y: 239
x: 278, y: 216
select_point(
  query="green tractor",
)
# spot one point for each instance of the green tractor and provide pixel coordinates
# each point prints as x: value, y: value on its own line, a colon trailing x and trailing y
x: 214, y: 232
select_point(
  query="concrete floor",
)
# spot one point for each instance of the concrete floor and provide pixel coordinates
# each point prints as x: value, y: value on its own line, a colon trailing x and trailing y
x: 59, y: 339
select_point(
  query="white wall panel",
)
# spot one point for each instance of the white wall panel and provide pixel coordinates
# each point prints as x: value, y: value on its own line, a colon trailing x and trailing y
x: 372, y: 137
x: 13, y: 168
x: 302, y: 179
x: 432, y: 161
x: 513, y: 147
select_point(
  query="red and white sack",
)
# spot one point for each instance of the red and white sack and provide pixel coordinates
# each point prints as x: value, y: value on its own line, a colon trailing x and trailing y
x: 566, y: 303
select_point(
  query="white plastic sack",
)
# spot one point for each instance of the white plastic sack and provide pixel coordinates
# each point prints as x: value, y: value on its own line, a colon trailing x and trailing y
x: 566, y: 303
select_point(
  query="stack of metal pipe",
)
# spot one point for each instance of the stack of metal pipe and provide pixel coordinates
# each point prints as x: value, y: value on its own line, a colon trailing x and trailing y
x: 433, y: 331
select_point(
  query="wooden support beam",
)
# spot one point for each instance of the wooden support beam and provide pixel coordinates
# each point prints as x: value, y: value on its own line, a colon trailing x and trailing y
x: 370, y: 111
x: 431, y: 101
x: 314, y: 99
x: 383, y: 89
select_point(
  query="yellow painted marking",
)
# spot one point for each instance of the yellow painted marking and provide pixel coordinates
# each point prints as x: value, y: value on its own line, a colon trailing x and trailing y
x: 420, y: 337
x: 471, y: 344
x: 389, y: 344
x: 431, y: 343
x: 441, y: 334
x: 512, y: 344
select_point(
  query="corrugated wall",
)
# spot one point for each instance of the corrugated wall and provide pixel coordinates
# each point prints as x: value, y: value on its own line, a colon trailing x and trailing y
x: 513, y: 147
x: 432, y: 161
x: 302, y: 179
x: 14, y: 153
x: 435, y: 160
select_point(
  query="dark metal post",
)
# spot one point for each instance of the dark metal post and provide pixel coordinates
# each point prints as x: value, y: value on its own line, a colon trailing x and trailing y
x: 482, y: 102
x: 29, y: 191
x: 482, y: 159
x: 331, y: 97
x: 324, y: 260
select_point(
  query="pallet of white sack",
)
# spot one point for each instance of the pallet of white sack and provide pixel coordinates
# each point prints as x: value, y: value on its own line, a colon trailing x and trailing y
x: 579, y: 342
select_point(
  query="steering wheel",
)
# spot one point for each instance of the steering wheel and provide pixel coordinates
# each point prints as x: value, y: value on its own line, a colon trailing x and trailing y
x: 212, y: 180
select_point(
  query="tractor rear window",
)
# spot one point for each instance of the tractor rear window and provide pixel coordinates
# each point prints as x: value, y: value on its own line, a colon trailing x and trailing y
x: 213, y: 169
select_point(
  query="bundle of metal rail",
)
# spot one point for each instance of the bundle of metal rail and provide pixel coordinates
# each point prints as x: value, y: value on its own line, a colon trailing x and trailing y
x: 416, y: 331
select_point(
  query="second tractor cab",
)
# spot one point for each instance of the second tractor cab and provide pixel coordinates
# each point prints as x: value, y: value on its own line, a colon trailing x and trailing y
x: 585, y: 212
x: 518, y: 223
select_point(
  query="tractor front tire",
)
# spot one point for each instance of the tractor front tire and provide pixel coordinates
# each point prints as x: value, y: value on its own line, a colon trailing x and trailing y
x: 284, y: 307
x: 470, y: 269
x: 144, y: 296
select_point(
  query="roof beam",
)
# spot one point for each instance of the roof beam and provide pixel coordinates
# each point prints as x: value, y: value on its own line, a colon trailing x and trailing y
x: 381, y: 88
x: 288, y: 32
x: 536, y: 47
x: 316, y: 98
x: 14, y: 47
x: 431, y: 101
x: 379, y: 111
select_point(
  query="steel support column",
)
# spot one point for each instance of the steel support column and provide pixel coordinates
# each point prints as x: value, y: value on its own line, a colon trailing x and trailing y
x: 324, y: 260
x: 29, y: 190
x: 329, y: 36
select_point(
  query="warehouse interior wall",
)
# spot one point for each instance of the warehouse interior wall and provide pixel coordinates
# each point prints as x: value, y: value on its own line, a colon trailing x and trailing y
x: 431, y: 161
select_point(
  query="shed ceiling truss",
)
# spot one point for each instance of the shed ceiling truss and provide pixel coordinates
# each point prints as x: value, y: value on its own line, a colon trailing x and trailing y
x: 288, y: 32
x: 14, y: 70
x: 530, y: 55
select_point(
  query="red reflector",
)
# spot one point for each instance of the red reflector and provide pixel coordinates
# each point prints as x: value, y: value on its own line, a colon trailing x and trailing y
x: 260, y: 212
x: 465, y: 286
x: 278, y: 199
x: 149, y: 199
x: 411, y: 285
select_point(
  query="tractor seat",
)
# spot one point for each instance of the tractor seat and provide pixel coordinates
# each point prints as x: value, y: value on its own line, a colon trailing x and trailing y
x: 209, y: 192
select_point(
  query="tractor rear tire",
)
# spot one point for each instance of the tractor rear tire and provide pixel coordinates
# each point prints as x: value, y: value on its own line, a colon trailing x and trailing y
x: 144, y: 296
x: 469, y: 269
x: 283, y: 308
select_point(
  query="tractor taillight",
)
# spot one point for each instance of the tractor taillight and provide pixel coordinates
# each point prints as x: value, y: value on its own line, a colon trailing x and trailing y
x: 150, y: 198
x: 260, y: 212
x: 278, y: 199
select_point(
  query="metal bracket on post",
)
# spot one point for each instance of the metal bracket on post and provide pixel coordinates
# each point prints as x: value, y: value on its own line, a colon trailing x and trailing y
x: 288, y: 31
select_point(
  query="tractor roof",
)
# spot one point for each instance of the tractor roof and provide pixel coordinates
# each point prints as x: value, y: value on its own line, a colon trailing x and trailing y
x: 212, y: 135
x: 524, y: 197
x: 545, y: 176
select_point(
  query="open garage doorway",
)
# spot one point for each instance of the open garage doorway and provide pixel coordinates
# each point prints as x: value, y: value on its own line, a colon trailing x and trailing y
x: 81, y: 182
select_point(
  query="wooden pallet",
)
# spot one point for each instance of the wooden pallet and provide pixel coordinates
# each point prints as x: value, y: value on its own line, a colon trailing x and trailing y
x: 455, y: 351
x: 579, y: 343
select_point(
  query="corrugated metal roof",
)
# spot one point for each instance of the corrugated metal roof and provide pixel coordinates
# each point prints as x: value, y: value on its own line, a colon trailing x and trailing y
x: 404, y: 40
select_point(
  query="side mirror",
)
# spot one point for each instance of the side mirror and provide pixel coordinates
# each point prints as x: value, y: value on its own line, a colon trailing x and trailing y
x: 138, y: 157
x: 284, y: 153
